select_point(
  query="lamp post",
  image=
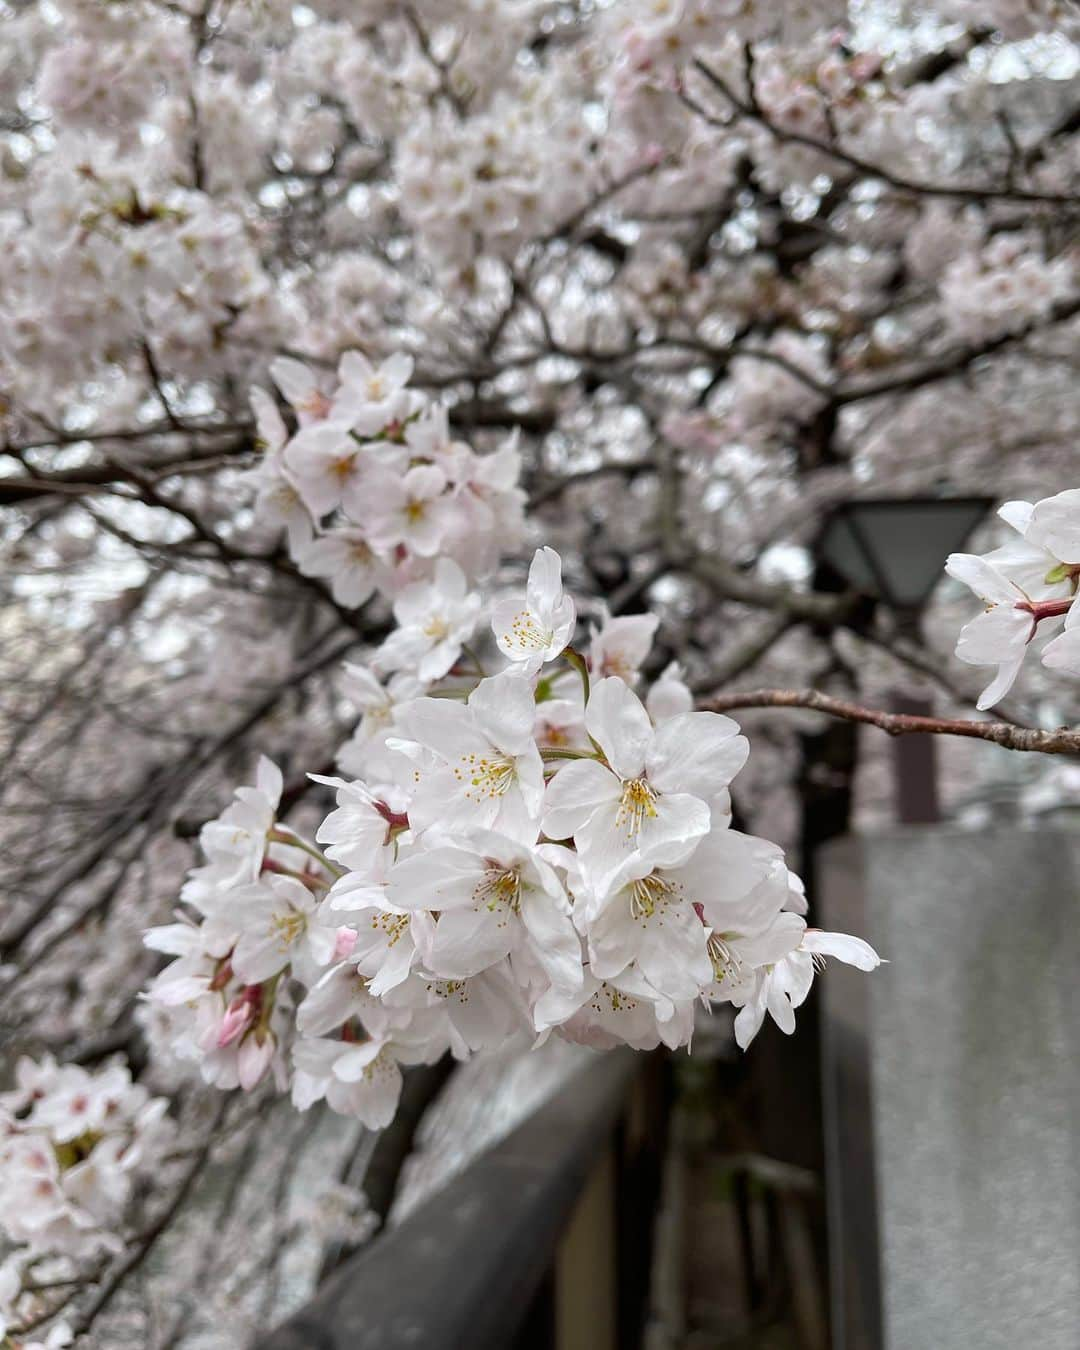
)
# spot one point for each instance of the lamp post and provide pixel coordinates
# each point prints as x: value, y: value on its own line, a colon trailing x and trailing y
x: 892, y: 549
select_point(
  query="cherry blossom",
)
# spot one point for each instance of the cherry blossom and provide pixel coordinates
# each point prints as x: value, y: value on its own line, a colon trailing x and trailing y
x: 1025, y: 584
x: 314, y: 316
x: 533, y: 634
x: 650, y: 797
x: 476, y: 764
x: 434, y: 620
x: 493, y: 893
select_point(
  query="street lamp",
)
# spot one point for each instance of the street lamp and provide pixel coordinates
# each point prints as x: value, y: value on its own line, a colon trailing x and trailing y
x: 893, y: 549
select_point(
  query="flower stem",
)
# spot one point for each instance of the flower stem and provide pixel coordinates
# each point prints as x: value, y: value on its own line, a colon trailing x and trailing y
x: 281, y: 834
x: 575, y: 659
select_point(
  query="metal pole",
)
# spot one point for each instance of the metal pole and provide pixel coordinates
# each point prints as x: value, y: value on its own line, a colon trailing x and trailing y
x: 915, y: 760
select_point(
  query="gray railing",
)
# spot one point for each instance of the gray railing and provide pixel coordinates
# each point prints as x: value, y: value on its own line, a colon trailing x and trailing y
x: 543, y: 1243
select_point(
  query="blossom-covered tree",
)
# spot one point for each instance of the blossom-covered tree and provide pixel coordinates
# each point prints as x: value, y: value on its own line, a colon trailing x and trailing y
x: 319, y: 322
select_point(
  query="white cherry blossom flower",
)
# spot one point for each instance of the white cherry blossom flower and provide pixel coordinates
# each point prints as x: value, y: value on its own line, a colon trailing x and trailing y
x: 479, y: 1012
x: 619, y: 647
x: 625, y: 1010
x: 534, y: 631
x: 411, y: 510
x: 346, y: 557
x: 358, y: 831
x: 476, y: 764
x: 362, y: 1080
x: 1024, y: 584
x: 780, y: 988
x: 235, y: 844
x: 651, y: 798
x: 670, y: 695
x: 493, y: 894
x: 1063, y: 652
x: 687, y: 928
x: 277, y: 923
x: 999, y: 636
x: 434, y: 619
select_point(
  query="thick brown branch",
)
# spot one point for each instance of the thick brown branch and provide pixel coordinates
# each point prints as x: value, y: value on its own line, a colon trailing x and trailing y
x: 1062, y: 741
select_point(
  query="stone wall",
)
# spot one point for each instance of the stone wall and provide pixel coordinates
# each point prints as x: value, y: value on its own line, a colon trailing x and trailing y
x: 953, y: 1090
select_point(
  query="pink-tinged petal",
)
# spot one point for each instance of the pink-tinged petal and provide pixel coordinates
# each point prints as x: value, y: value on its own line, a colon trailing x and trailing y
x: 576, y: 791
x: 344, y: 942
x: 852, y: 950
x: 239, y: 1015
x: 616, y: 719
x: 253, y: 1059
x: 697, y: 752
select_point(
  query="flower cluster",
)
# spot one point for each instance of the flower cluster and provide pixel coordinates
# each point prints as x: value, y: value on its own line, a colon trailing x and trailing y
x: 1004, y: 287
x: 72, y: 1144
x: 1029, y: 586
x: 372, y: 488
x: 516, y: 853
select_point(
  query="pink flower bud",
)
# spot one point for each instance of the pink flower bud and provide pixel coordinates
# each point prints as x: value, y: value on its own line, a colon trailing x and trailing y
x: 254, y: 1058
x: 344, y: 942
x: 239, y: 1015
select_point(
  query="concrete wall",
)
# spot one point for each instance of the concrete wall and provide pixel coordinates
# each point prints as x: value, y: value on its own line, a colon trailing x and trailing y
x: 956, y: 1139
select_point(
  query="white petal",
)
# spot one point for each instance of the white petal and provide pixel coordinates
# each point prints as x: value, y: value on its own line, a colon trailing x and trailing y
x: 1055, y: 524
x: 467, y: 941
x: 268, y: 780
x: 852, y: 950
x: 697, y: 752
x: 1002, y: 682
x: 616, y: 719
x: 1016, y: 514
x: 1063, y: 653
x: 544, y: 589
x: 984, y: 580
x: 505, y: 711
x: 574, y: 794
x: 556, y: 943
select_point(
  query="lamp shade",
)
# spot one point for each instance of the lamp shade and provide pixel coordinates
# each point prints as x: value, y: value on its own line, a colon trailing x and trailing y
x: 894, y: 548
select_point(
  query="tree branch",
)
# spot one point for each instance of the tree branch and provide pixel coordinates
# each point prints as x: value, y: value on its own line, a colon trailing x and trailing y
x: 973, y: 193
x: 1062, y: 741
